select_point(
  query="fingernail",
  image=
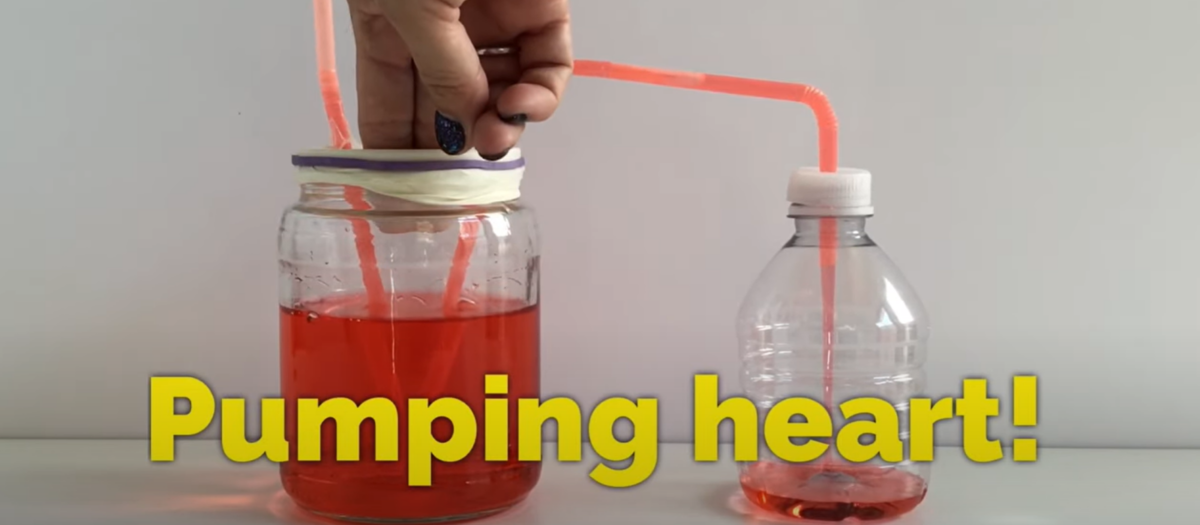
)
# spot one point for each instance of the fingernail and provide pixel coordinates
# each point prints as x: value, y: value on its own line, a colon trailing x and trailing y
x: 451, y: 136
x: 519, y: 118
x: 495, y: 157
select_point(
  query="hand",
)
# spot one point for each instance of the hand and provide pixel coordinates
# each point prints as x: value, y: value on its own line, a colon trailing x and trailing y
x: 422, y: 83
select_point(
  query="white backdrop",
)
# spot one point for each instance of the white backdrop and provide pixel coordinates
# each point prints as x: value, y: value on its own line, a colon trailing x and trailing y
x: 1035, y: 177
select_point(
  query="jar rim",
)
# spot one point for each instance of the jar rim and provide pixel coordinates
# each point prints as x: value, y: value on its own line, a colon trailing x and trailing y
x: 396, y: 160
x: 426, y: 176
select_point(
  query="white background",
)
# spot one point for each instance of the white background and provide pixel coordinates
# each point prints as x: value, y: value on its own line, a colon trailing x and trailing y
x: 1035, y: 172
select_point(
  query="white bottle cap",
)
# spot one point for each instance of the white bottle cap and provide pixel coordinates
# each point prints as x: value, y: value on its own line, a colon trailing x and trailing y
x: 844, y: 193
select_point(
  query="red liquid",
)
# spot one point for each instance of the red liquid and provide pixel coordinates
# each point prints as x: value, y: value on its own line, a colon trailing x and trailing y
x: 333, y: 349
x: 832, y: 491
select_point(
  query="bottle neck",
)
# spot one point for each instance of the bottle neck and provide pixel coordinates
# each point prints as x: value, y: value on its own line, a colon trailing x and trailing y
x: 850, y: 231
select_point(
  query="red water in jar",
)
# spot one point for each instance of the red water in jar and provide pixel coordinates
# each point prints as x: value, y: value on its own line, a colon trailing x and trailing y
x: 331, y: 348
x: 830, y: 491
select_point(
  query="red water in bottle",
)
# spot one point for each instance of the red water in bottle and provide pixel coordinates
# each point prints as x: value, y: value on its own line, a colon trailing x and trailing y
x: 832, y: 492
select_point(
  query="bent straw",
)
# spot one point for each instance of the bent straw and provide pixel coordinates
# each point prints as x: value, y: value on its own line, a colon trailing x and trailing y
x: 331, y: 94
x: 339, y: 130
x: 443, y: 362
x: 827, y: 135
x: 812, y: 97
x: 827, y: 138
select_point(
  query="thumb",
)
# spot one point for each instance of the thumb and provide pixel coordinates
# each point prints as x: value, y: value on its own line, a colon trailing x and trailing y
x: 447, y: 65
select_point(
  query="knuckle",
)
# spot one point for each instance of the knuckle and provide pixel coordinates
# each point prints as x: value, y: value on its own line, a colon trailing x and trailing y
x: 452, y: 88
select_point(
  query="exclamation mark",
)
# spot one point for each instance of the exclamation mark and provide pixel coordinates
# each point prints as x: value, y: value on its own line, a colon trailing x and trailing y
x: 1024, y: 415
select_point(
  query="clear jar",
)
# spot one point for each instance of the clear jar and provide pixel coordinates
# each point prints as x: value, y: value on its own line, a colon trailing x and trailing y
x: 430, y: 320
x: 879, y: 335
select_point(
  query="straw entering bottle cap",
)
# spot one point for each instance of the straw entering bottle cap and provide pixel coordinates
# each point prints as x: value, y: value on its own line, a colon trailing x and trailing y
x: 844, y: 193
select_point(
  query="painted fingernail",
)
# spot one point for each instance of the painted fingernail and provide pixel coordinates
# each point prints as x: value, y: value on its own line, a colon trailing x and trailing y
x: 495, y: 157
x: 451, y: 136
x: 519, y: 118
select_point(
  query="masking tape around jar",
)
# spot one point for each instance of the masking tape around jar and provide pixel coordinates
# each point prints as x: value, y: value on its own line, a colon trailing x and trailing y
x: 423, y: 176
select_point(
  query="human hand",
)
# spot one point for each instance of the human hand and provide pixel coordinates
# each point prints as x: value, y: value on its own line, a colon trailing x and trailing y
x: 422, y: 83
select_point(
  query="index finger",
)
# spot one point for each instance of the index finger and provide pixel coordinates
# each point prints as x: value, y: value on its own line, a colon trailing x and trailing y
x: 447, y: 64
x: 386, y: 86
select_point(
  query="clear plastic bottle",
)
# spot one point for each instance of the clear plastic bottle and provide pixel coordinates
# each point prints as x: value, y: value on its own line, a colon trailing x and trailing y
x: 876, y: 348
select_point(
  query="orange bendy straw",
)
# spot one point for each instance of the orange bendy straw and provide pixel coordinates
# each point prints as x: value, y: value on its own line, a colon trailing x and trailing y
x: 827, y: 126
x: 341, y: 138
x: 339, y: 130
x: 827, y: 134
x: 331, y: 93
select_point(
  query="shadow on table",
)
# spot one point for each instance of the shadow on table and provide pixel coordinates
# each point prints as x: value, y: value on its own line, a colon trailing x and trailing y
x: 250, y: 496
x: 731, y: 501
x: 253, y: 496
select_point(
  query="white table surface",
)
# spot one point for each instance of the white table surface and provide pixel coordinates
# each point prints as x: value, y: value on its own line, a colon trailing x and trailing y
x: 73, y: 482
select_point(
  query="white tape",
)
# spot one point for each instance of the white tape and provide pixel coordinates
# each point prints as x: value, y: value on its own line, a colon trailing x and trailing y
x: 423, y: 180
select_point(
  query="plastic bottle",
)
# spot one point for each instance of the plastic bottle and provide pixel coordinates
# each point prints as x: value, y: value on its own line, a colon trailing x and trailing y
x: 873, y: 345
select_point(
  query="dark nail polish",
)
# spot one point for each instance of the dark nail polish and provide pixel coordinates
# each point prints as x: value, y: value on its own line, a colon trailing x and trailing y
x: 519, y: 118
x: 495, y: 157
x: 451, y: 136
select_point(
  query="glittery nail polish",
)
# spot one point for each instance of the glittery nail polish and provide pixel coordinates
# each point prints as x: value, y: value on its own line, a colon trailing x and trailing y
x: 451, y: 136
x: 519, y: 118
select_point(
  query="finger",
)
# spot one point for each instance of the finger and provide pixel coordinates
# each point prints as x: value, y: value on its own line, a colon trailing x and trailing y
x: 546, y: 64
x: 496, y: 136
x: 495, y: 89
x: 501, y: 72
x: 501, y: 68
x: 448, y: 65
x: 493, y: 137
x: 424, y: 126
x: 385, y: 80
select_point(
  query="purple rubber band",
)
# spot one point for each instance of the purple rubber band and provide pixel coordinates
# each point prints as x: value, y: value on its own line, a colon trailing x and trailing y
x: 304, y: 161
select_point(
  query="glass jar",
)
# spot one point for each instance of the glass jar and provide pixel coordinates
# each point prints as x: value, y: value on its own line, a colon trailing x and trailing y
x: 394, y: 286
